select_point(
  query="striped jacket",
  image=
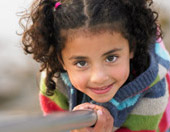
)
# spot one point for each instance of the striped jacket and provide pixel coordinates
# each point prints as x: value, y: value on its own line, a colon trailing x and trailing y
x: 142, y: 105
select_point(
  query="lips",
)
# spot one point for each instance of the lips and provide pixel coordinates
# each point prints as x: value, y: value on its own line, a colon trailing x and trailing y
x: 101, y: 90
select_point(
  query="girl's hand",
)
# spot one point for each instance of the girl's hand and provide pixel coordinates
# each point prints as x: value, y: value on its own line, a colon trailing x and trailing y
x: 104, y: 122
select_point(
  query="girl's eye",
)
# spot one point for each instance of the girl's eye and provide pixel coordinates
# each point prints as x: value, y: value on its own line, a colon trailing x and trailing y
x: 81, y: 64
x: 111, y: 58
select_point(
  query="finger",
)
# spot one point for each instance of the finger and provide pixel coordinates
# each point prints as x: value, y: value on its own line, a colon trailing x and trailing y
x: 104, y: 122
x: 84, y: 106
x: 81, y: 130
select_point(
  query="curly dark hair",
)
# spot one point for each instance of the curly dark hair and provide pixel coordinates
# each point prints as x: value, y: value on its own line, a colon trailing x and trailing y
x: 47, y: 28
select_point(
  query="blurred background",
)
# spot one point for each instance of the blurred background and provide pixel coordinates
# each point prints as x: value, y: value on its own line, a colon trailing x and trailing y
x: 18, y: 72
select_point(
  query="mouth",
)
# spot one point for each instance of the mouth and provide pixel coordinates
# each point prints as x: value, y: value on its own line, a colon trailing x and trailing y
x: 101, y: 90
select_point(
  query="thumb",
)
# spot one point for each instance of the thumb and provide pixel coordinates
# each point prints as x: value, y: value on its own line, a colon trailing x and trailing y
x: 100, y: 121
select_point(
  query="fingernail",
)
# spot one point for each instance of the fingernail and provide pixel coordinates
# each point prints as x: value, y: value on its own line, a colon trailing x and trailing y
x: 99, y: 112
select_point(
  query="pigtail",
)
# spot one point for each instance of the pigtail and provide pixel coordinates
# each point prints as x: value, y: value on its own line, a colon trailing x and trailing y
x: 51, y: 36
x: 40, y: 39
x: 47, y: 31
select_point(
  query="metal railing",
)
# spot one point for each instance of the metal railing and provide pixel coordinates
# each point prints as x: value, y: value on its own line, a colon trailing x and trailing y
x: 57, y: 122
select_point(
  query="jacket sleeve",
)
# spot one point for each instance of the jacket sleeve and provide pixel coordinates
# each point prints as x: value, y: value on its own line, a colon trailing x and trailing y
x: 56, y: 102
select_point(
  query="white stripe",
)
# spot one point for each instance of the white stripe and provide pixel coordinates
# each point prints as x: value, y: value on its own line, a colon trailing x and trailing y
x: 162, y: 71
x: 152, y: 106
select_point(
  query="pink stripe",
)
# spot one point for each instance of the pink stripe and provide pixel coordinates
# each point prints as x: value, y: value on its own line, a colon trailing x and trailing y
x: 168, y: 106
x: 168, y: 113
x: 128, y: 130
x: 161, y: 43
x: 165, y: 121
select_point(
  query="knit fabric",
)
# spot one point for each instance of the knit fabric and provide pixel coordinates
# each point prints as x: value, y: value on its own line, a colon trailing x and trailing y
x: 142, y: 105
x: 49, y: 104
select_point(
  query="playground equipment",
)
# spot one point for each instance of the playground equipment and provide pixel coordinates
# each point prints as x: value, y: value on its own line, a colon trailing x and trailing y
x: 56, y: 122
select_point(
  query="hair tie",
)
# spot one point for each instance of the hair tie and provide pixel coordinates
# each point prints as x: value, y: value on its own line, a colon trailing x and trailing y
x: 57, y: 5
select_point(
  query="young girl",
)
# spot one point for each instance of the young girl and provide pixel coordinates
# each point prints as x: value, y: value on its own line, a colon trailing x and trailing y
x: 105, y: 55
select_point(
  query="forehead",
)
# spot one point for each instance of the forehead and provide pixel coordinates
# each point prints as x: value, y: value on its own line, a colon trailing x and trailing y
x: 87, y: 35
x: 95, y: 42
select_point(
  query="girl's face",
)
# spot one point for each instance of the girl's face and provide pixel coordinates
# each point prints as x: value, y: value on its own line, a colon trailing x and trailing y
x: 97, y: 65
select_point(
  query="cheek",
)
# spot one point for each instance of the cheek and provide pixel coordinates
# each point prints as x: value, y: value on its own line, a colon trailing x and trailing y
x: 121, y: 73
x: 124, y: 73
x: 79, y: 81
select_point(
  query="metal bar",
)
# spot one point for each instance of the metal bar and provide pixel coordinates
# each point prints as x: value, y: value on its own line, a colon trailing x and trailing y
x: 58, y: 122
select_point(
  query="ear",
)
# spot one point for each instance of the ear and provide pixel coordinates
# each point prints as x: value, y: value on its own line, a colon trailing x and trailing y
x: 131, y: 55
x: 61, y: 62
x: 64, y: 67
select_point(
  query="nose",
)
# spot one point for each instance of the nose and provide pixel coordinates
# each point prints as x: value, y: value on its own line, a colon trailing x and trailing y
x: 99, y: 75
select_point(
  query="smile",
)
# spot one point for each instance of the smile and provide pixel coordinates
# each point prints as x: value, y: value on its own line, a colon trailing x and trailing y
x: 101, y: 90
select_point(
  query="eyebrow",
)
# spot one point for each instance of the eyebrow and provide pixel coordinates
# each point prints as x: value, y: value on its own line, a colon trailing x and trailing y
x: 105, y: 54
x: 112, y: 51
x: 78, y: 57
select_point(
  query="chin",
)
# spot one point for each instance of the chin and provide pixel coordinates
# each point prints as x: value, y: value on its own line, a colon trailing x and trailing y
x: 102, y: 100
